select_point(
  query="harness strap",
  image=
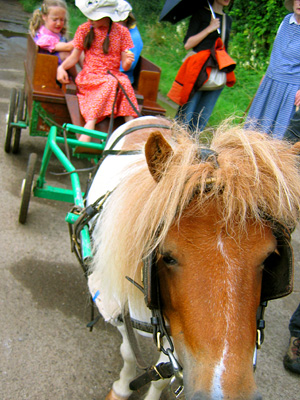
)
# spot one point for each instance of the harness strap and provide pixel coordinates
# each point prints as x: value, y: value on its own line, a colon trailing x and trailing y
x: 84, y: 217
x: 135, y: 128
x: 132, y: 339
x: 126, y: 95
x: 121, y: 152
x: 111, y: 121
x: 154, y: 373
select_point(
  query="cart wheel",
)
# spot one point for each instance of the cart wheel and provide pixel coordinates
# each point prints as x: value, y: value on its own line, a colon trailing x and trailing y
x: 10, y: 119
x: 17, y: 131
x: 26, y: 188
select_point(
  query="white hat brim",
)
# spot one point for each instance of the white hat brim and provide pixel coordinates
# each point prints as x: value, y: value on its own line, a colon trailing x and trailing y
x: 95, y: 14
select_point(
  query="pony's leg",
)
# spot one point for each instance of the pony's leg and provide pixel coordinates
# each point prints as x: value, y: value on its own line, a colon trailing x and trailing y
x: 157, y: 387
x: 120, y: 389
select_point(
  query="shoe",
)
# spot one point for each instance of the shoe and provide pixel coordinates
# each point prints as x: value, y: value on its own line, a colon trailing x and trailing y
x: 291, y: 360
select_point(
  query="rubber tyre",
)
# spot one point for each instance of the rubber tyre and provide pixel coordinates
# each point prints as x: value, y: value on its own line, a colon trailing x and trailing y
x: 27, y: 188
x: 11, y: 118
x: 17, y: 131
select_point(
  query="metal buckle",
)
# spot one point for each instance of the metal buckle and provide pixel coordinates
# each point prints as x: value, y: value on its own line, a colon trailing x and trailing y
x: 176, y: 367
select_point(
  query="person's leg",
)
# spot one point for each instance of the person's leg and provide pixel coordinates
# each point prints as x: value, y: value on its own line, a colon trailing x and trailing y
x: 185, y: 113
x: 291, y: 360
x: 206, y: 101
x: 88, y: 125
x: 128, y: 118
x: 294, y: 325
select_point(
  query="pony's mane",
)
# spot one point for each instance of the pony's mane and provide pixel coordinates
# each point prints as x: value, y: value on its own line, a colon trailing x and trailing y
x: 256, y: 177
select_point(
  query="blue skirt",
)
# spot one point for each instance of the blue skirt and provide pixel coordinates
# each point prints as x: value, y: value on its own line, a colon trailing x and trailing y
x: 272, y: 107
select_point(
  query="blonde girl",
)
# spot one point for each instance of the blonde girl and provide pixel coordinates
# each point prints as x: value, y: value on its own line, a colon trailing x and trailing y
x: 48, y: 27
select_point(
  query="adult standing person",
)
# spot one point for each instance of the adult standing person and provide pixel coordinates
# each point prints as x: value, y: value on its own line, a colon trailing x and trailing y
x: 105, y: 44
x: 278, y: 94
x: 201, y: 35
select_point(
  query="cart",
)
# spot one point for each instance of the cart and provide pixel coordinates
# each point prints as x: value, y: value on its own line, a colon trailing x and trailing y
x: 43, y: 102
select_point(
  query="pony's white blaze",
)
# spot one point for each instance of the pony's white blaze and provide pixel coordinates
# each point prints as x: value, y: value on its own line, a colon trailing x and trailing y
x: 229, y: 282
x: 216, y: 390
x: 220, y: 245
x: 228, y: 312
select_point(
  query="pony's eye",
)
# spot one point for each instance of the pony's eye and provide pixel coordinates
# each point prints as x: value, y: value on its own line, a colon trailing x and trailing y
x: 169, y: 260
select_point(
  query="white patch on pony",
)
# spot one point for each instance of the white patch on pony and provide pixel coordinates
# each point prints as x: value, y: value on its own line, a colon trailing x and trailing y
x: 216, y: 390
x: 220, y: 246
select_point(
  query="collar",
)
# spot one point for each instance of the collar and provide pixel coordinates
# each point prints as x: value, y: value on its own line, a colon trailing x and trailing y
x: 293, y: 20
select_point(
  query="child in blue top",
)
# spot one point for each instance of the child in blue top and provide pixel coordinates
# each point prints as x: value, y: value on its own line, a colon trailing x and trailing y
x: 130, y: 23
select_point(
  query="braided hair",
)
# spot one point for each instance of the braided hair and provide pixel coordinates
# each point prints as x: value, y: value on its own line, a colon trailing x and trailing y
x: 88, y: 40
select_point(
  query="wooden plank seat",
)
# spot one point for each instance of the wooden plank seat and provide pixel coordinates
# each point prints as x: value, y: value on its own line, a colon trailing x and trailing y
x: 146, y: 83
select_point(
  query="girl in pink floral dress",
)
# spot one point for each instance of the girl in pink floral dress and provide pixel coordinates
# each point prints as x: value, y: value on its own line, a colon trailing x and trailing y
x: 105, y: 43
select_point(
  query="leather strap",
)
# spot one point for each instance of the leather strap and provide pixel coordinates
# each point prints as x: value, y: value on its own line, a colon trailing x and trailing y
x: 154, y: 373
x: 132, y: 339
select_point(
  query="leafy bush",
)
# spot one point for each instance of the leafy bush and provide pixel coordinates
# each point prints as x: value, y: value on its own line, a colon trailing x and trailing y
x: 253, y: 30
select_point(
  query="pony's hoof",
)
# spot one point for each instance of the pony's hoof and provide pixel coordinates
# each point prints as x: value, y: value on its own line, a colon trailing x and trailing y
x: 113, y: 396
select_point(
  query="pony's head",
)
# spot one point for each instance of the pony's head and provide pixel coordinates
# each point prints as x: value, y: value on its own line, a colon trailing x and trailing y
x: 210, y: 218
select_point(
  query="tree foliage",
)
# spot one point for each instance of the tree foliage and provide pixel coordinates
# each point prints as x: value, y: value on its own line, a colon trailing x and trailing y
x: 254, y: 28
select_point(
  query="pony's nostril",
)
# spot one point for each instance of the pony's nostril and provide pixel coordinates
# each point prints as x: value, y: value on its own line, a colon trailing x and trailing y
x: 257, y: 396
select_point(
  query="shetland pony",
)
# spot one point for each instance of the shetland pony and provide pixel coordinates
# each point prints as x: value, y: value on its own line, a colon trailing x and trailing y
x: 210, y: 221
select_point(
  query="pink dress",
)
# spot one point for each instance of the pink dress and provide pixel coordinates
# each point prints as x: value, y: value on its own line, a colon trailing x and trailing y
x: 97, y: 88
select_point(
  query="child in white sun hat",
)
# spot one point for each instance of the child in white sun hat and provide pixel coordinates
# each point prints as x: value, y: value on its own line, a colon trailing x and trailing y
x: 105, y: 44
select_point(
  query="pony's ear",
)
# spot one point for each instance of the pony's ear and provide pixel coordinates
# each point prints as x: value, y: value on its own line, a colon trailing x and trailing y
x: 157, y: 151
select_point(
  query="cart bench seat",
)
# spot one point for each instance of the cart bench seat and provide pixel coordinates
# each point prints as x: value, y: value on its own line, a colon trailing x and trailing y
x: 146, y: 83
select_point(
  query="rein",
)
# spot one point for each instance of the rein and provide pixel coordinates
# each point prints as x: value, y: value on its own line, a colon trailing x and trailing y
x: 120, y: 86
